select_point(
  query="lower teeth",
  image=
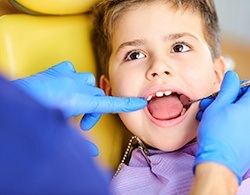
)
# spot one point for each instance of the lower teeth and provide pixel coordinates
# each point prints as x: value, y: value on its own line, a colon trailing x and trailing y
x: 183, y: 111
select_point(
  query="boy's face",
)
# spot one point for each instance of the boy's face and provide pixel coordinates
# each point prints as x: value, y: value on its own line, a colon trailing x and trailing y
x: 157, y: 51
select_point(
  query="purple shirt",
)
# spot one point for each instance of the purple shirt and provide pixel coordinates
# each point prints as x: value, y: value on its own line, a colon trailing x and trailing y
x: 168, y: 173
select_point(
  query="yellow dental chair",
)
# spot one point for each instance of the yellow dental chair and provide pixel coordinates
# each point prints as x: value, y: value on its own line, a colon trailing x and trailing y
x: 36, y: 34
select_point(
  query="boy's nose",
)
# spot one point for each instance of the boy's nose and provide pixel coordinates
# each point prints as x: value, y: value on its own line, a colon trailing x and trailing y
x: 154, y: 74
x: 159, y: 70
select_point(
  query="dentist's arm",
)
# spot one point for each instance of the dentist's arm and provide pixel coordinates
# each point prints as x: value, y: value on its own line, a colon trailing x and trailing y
x: 223, y: 139
x: 41, y: 153
x: 213, y: 178
x: 75, y: 93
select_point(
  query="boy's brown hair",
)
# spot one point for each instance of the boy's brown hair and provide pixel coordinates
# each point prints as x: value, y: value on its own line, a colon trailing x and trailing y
x: 107, y: 12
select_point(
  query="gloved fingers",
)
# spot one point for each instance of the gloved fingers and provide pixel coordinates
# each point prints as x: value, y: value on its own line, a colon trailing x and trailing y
x: 81, y: 100
x: 85, y: 78
x: 203, y: 106
x: 67, y: 69
x: 110, y: 104
x: 229, y: 89
x: 89, y: 120
x: 199, y: 115
x: 107, y: 104
x: 205, y: 103
x: 93, y: 149
x: 93, y: 91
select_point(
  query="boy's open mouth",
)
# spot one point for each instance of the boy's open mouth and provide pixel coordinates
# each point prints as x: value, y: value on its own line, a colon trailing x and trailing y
x: 167, y: 105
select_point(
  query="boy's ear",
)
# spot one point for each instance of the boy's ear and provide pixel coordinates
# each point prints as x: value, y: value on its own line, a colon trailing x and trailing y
x: 105, y: 85
x: 219, y: 69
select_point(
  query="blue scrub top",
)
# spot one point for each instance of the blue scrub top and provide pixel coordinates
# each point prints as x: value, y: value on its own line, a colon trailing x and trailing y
x: 40, y: 153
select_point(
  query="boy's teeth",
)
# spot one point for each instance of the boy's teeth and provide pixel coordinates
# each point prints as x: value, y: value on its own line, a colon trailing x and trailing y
x: 167, y: 93
x: 183, y: 111
x: 149, y: 97
x: 159, y: 94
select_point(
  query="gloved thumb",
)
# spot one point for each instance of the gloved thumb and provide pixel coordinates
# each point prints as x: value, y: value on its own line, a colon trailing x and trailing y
x: 230, y: 89
x: 89, y: 120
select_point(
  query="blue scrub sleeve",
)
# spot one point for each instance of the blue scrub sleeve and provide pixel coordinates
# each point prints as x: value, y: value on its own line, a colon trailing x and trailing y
x: 40, y: 153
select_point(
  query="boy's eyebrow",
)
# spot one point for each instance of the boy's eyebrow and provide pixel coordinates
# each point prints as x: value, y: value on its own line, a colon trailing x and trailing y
x: 175, y: 36
x: 135, y: 42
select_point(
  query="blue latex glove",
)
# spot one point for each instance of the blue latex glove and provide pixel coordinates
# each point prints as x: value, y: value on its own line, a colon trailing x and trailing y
x: 224, y: 132
x: 75, y: 93
x: 206, y: 102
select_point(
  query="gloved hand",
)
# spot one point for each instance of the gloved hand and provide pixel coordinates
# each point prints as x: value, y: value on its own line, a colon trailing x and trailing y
x: 75, y: 93
x: 206, y: 102
x: 224, y: 132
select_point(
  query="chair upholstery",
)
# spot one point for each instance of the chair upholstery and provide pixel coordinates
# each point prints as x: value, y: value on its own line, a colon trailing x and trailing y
x: 29, y: 44
x: 54, y: 7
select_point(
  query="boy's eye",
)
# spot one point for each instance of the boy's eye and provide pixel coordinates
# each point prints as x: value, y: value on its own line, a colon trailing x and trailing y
x: 180, y: 47
x: 134, y: 55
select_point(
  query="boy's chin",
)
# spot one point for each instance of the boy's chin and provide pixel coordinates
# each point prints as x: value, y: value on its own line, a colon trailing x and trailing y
x: 171, y: 147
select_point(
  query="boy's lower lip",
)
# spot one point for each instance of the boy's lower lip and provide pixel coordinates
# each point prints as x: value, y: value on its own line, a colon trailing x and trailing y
x: 166, y: 123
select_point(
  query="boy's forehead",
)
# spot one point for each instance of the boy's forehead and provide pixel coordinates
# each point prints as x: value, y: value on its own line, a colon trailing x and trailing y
x: 145, y: 19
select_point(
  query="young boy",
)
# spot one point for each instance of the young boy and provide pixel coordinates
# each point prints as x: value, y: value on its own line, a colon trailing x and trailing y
x: 167, y: 51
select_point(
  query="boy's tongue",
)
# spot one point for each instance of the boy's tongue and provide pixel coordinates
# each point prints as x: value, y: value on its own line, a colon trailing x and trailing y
x: 166, y: 107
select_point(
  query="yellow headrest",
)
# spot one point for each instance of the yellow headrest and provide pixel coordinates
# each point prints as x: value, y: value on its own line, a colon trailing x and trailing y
x: 30, y: 44
x: 54, y: 7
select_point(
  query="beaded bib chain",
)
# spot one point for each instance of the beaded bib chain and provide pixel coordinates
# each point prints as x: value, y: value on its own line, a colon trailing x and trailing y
x: 139, y: 144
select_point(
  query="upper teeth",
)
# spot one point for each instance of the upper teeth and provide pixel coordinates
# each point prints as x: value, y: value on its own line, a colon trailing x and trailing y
x: 159, y: 94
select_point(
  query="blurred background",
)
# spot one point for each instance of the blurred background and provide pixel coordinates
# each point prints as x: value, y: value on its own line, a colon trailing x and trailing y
x: 235, y: 27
